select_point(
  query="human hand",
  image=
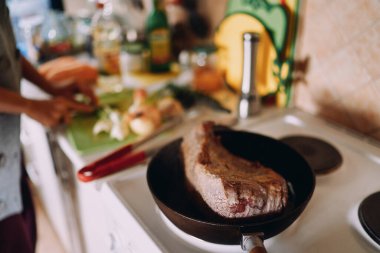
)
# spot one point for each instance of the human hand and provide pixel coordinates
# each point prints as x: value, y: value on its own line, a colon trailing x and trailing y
x: 54, y: 112
x: 71, y: 90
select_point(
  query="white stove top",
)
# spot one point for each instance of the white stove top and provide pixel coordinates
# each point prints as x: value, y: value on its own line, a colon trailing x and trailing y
x: 328, y: 223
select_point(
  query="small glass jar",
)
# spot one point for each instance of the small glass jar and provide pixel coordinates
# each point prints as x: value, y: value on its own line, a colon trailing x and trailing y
x: 55, y: 37
x: 207, y: 78
x: 134, y: 58
x: 81, y: 31
x: 131, y: 59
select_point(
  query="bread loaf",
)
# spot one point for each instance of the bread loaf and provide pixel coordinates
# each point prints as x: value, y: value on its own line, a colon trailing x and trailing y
x: 66, y: 70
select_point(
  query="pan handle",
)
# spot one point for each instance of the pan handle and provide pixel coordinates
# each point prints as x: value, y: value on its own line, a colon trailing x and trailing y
x: 253, y: 243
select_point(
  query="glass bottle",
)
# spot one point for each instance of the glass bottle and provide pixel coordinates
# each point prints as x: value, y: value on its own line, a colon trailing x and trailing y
x: 180, y: 32
x: 106, y: 36
x: 158, y: 38
x: 55, y: 37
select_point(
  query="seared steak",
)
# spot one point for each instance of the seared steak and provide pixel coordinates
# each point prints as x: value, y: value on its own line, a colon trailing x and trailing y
x: 231, y: 186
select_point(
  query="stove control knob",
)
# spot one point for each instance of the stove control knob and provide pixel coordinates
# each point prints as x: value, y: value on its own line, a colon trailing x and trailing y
x: 116, y: 243
x: 119, y: 244
x: 111, y: 242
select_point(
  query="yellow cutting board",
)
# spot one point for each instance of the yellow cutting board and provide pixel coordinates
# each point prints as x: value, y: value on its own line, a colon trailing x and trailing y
x: 276, y: 23
x: 229, y: 41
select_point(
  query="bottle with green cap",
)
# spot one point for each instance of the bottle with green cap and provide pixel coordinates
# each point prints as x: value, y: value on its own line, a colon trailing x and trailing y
x: 158, y: 38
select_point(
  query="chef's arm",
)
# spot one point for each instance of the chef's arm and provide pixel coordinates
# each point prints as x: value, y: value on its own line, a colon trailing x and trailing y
x: 30, y: 73
x: 12, y: 102
x: 50, y: 112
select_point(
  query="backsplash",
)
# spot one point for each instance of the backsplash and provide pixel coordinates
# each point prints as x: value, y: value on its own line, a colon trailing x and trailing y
x: 342, y: 40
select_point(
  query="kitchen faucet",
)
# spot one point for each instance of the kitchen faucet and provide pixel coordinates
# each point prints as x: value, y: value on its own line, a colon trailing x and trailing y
x: 249, y: 102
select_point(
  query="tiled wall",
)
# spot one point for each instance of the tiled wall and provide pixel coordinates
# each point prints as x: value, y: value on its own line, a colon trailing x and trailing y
x: 342, y: 39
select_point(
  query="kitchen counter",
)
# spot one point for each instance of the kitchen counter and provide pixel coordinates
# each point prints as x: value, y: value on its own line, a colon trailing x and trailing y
x: 73, y: 205
x: 118, y: 214
x: 328, y: 224
x: 109, y: 203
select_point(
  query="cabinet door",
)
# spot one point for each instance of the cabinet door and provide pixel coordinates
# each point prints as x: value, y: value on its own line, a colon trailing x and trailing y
x: 40, y: 168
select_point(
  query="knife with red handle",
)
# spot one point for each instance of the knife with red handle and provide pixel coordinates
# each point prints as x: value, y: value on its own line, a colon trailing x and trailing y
x: 111, y: 164
x: 122, y: 158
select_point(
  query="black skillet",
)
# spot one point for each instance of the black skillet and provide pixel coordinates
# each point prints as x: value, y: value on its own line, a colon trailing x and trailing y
x: 181, y: 205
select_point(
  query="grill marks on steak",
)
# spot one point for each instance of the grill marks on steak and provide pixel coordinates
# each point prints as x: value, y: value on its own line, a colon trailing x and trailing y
x: 231, y: 186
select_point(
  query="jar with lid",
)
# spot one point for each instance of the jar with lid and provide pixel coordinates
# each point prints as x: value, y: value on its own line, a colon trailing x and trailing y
x: 55, y: 37
x: 132, y: 54
x: 207, y: 77
x: 81, y: 31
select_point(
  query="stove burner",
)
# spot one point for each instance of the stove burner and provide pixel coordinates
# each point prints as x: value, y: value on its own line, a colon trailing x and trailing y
x: 368, y: 212
x: 322, y: 157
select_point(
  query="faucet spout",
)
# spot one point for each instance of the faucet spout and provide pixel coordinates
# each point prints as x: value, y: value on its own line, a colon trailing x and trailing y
x: 249, y: 102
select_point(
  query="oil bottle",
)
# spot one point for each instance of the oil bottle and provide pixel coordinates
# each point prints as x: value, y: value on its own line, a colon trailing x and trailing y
x: 106, y: 35
x: 158, y: 39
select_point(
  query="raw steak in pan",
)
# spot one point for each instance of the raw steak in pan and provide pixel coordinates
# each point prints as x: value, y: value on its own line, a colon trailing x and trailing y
x: 231, y: 186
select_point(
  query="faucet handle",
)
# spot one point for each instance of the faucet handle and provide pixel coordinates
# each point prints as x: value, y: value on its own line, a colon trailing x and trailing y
x: 249, y: 105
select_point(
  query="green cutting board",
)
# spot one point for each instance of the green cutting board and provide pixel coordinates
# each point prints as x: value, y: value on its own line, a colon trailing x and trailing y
x: 85, y: 142
x: 80, y: 134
